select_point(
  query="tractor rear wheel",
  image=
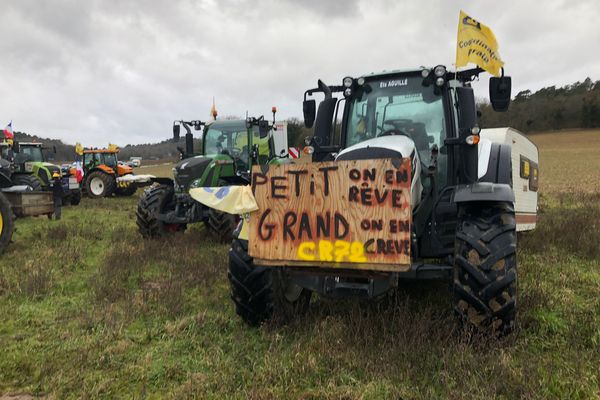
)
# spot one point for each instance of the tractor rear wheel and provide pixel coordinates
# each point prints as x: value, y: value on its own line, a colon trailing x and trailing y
x: 27, y: 180
x: 155, y: 200
x: 7, y: 223
x: 221, y: 224
x: 99, y: 184
x: 485, y: 267
x: 262, y: 293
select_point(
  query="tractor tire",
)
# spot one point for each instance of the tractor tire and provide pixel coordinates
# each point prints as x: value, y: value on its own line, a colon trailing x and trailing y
x: 154, y: 201
x: 75, y: 197
x: 485, y: 267
x: 7, y: 223
x: 126, y: 191
x: 27, y: 180
x: 262, y: 293
x: 221, y: 224
x: 100, y: 184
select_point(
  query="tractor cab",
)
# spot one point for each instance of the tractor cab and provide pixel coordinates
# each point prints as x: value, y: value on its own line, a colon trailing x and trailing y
x: 229, y: 149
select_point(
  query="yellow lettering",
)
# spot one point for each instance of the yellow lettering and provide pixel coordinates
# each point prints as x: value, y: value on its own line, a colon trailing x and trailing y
x: 357, y: 252
x: 325, y: 250
x: 306, y: 251
x: 342, y: 250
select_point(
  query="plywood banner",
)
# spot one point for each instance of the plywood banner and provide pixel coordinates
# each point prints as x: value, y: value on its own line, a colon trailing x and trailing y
x: 344, y: 214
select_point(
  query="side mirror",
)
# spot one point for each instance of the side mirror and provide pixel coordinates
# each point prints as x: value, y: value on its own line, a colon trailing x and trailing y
x: 263, y: 129
x: 324, y: 121
x: 309, y: 108
x: 176, y: 133
x: 500, y: 93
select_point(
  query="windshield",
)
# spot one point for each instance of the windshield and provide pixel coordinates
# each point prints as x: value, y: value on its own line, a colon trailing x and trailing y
x: 29, y: 153
x: 233, y: 140
x: 397, y: 105
x: 110, y: 159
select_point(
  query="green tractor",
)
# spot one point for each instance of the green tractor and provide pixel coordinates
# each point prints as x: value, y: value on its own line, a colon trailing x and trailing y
x: 229, y: 149
x: 462, y: 209
x: 31, y: 169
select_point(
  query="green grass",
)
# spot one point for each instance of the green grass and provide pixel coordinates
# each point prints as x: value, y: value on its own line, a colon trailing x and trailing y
x: 90, y: 310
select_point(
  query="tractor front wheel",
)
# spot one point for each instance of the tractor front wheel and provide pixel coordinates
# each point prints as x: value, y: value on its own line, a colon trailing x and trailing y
x: 99, y: 184
x: 485, y: 267
x: 7, y: 224
x: 262, y: 293
x: 27, y: 180
x: 155, y: 200
x: 221, y: 224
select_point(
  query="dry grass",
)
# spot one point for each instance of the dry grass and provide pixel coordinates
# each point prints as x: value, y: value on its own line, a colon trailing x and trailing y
x: 89, y: 310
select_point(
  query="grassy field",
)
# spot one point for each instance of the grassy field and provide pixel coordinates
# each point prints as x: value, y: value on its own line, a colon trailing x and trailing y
x: 89, y: 310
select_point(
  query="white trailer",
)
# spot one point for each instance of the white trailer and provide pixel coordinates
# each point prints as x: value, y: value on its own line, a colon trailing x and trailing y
x: 525, y: 171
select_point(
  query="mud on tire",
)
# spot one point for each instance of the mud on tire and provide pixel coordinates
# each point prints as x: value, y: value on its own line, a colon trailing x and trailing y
x: 154, y: 201
x: 261, y: 293
x: 485, y: 267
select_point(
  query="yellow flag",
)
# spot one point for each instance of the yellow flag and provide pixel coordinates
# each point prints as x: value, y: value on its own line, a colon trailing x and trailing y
x: 477, y: 44
x: 79, y: 149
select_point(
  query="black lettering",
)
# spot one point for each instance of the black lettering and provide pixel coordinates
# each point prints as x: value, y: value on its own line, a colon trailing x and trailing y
x: 369, y: 175
x: 289, y: 220
x: 354, y: 174
x: 324, y: 225
x: 389, y: 176
x: 312, y: 187
x: 258, y: 179
x: 379, y: 197
x: 365, y: 225
x: 365, y: 196
x: 304, y: 226
x: 353, y: 193
x: 368, y: 244
x: 389, y: 244
x: 402, y: 176
x: 275, y: 187
x: 377, y: 224
x: 297, y: 180
x: 393, y: 226
x: 404, y: 226
x: 381, y: 246
x: 397, y: 198
x: 325, y: 171
x: 268, y: 227
x: 340, y: 222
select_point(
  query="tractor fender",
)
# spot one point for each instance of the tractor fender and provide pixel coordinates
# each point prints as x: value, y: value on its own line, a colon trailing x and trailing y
x: 106, y: 169
x: 495, y: 162
x: 5, y: 181
x: 484, y: 191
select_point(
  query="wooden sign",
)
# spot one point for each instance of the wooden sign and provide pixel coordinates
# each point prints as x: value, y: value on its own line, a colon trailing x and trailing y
x: 344, y: 214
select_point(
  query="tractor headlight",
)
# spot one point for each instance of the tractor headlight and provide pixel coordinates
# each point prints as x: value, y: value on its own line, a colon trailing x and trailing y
x: 348, y: 92
x: 360, y: 81
x: 439, y: 71
x: 425, y: 73
x: 439, y: 81
x: 348, y: 81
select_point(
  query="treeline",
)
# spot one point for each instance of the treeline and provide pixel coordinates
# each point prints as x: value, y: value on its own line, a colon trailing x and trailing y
x: 550, y: 108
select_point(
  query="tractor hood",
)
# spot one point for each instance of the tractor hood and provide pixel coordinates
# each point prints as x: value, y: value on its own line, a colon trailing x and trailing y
x: 395, y: 146
x: 188, y: 170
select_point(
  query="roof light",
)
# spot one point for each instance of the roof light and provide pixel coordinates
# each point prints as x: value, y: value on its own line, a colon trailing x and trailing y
x: 440, y: 81
x: 348, y: 92
x: 439, y: 71
x: 360, y: 81
x: 425, y: 73
x: 348, y: 81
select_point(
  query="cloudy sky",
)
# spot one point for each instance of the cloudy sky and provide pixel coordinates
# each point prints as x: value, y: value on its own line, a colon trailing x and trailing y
x: 122, y: 70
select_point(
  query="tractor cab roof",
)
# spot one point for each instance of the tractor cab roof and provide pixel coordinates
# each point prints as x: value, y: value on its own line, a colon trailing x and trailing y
x: 232, y: 124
